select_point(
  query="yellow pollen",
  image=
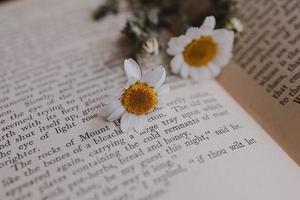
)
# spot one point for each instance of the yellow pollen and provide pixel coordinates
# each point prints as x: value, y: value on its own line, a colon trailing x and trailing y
x: 200, y: 52
x: 139, y: 98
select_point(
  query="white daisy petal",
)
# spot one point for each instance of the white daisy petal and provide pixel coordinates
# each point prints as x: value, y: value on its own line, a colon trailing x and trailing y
x: 203, y: 74
x: 222, y: 59
x: 162, y: 100
x: 182, y: 41
x: 172, y: 42
x: 176, y: 44
x: 225, y: 49
x: 173, y: 47
x: 144, y: 122
x: 194, y: 74
x: 130, y: 81
x: 214, y: 69
x: 132, y: 69
x: 155, y: 77
x: 133, y: 120
x: 114, y: 96
x: 223, y: 36
x: 140, y: 124
x: 127, y: 122
x: 174, y: 50
x: 193, y: 32
x: 176, y: 63
x: 184, y: 71
x: 116, y: 114
x: 209, y: 23
x: 107, y: 110
x: 124, y: 122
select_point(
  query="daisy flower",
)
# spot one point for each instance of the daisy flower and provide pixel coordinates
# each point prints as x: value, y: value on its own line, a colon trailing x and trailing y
x: 140, y: 96
x: 201, y: 52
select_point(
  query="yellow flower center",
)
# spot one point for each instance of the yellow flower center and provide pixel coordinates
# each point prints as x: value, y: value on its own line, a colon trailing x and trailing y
x: 139, y: 98
x: 200, y: 52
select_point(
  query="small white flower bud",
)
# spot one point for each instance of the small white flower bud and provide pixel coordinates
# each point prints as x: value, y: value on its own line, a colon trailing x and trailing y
x: 236, y: 25
x: 150, y: 47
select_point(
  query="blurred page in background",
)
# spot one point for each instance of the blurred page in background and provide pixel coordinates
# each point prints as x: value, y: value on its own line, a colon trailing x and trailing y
x: 265, y: 74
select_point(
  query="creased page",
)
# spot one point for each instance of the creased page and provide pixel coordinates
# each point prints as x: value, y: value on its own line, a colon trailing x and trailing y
x: 265, y: 77
x: 57, y: 69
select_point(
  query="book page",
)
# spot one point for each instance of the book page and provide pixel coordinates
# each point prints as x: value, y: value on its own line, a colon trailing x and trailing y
x: 57, y: 69
x: 265, y: 74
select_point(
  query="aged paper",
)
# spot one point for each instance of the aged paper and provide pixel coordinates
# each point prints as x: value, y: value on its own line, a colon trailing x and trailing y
x: 58, y: 67
x: 265, y: 74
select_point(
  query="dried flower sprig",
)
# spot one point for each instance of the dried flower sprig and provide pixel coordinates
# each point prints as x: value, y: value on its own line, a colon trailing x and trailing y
x: 150, y: 47
x: 176, y: 16
x: 109, y: 7
x: 236, y: 26
x: 139, y: 30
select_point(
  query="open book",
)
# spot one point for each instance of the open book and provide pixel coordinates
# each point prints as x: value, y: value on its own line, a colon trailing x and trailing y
x: 58, y: 66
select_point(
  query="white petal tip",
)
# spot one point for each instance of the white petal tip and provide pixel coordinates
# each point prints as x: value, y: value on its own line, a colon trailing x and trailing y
x: 116, y: 114
x: 140, y: 124
x: 209, y: 22
x: 132, y: 69
x: 155, y: 76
